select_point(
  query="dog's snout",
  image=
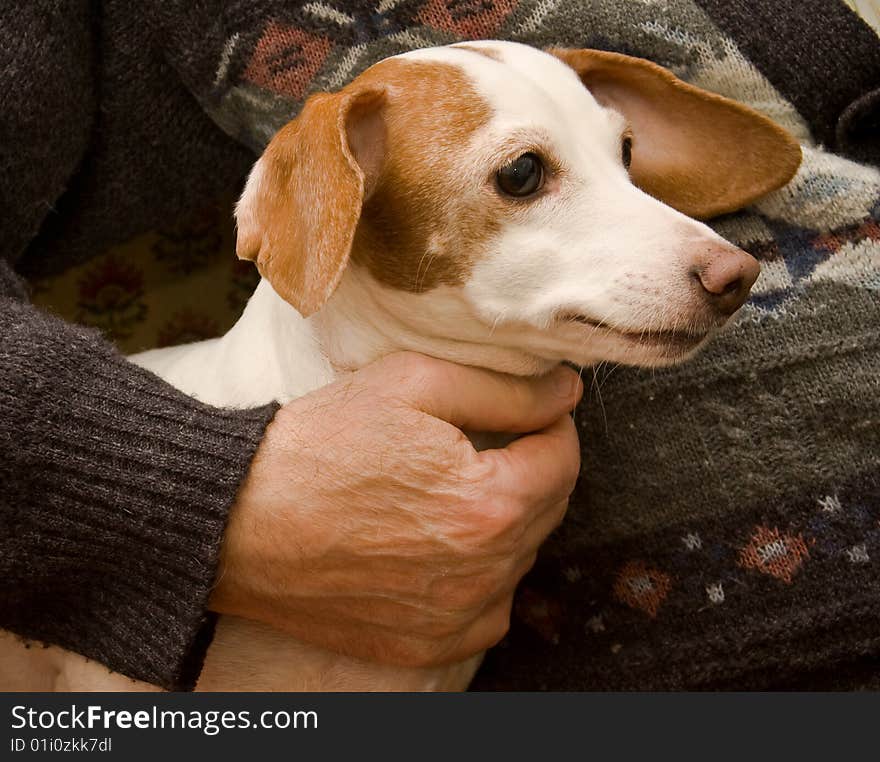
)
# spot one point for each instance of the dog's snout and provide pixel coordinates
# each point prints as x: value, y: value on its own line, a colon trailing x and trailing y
x: 725, y: 277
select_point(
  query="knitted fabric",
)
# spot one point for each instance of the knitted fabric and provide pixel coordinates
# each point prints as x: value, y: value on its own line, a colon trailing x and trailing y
x: 725, y: 529
x: 114, y: 487
x: 92, y: 106
x: 845, y: 116
x: 724, y: 533
x: 115, y: 492
x: 47, y: 101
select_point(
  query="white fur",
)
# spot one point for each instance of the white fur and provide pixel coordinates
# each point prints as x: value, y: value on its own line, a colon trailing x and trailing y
x: 595, y: 245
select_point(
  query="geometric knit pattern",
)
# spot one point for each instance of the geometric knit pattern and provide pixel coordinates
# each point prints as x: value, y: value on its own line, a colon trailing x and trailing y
x: 726, y: 528
x: 724, y: 532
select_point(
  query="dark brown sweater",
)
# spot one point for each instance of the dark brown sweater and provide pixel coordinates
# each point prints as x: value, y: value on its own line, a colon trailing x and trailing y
x: 726, y: 530
x: 115, y: 492
x: 114, y: 487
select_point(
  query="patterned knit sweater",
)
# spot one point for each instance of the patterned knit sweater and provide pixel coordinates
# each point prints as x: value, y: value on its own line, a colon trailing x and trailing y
x: 725, y: 532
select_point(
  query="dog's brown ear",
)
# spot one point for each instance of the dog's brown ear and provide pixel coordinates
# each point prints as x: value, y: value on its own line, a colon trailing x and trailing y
x: 300, y: 207
x: 696, y: 151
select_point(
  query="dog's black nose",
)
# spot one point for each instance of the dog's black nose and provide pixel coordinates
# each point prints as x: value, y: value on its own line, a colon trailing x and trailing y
x: 725, y: 277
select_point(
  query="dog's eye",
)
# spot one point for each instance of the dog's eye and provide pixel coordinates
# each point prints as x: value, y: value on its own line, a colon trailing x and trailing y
x: 521, y: 177
x: 626, y: 147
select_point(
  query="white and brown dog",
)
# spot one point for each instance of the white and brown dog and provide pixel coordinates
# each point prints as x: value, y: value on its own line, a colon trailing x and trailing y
x: 486, y: 203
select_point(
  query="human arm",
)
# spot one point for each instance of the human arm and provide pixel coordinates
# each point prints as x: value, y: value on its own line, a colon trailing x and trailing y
x: 369, y: 524
x: 115, y: 493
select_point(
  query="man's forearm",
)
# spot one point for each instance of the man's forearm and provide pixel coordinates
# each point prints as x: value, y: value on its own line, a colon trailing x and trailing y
x: 115, y: 494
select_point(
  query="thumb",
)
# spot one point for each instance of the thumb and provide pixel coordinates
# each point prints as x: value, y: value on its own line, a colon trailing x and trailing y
x: 483, y: 400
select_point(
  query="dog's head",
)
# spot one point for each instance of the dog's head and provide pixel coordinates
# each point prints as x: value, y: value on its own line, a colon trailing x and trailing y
x: 492, y: 194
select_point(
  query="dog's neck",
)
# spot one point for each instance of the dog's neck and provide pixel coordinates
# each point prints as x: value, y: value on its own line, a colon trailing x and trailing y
x: 365, y: 320
x: 362, y: 322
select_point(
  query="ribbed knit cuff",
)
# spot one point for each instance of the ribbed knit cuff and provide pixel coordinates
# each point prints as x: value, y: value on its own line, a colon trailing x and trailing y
x: 115, y: 493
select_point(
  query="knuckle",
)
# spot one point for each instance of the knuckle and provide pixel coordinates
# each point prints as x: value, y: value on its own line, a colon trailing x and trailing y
x: 486, y: 586
x: 455, y: 598
x: 464, y: 596
x: 477, y: 475
x: 447, y: 628
x: 502, y: 630
x: 461, y: 599
x: 561, y: 510
x: 501, y: 520
x: 529, y: 564
x: 519, y: 569
x: 498, y: 626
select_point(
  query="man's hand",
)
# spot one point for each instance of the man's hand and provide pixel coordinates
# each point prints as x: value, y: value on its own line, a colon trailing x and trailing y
x: 369, y: 525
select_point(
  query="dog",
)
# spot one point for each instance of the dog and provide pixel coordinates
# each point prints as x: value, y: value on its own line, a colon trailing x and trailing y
x: 487, y: 203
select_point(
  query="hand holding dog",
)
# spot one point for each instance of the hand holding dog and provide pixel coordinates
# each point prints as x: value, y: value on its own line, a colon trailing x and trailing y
x: 369, y: 525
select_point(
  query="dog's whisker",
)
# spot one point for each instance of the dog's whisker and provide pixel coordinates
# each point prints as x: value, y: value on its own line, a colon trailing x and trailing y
x: 421, y: 275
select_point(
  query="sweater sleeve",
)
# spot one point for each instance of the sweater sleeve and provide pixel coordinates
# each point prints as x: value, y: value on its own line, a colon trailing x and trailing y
x: 114, y: 493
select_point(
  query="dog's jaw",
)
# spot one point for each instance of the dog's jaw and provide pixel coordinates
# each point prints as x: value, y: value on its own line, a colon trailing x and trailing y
x: 365, y: 320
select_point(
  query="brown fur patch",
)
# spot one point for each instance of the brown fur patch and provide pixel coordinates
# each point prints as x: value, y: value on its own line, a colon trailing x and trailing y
x: 694, y: 150
x: 298, y: 220
x: 425, y: 222
x: 377, y: 173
